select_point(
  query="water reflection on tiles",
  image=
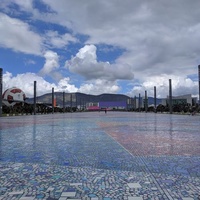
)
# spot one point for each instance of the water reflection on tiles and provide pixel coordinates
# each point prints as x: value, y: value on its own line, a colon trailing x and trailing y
x: 100, y: 156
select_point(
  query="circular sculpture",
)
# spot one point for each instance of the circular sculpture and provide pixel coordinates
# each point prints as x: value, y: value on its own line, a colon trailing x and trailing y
x: 13, y: 96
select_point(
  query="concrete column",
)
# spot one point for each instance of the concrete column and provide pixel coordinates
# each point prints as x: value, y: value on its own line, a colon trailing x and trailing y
x: 34, y: 96
x: 71, y: 102
x: 170, y: 96
x: 76, y: 100
x: 52, y: 100
x: 139, y: 105
x: 63, y: 101
x: 155, y: 99
x: 135, y: 103
x: 1, y: 88
x: 199, y: 83
x: 146, y: 102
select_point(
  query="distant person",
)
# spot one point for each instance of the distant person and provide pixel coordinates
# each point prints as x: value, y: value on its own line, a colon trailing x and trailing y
x: 105, y: 110
x: 193, y: 113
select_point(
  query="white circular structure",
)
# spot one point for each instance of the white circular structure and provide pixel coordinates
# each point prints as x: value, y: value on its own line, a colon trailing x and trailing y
x: 13, y: 96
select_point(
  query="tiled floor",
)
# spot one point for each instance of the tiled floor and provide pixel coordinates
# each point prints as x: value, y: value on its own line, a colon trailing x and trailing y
x: 98, y: 156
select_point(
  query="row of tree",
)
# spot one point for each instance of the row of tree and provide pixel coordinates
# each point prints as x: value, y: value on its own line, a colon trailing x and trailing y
x: 178, y: 108
x: 24, y: 108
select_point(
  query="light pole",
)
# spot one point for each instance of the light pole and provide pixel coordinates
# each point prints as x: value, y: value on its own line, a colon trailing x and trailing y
x: 170, y: 96
x: 52, y: 100
x: 139, y: 105
x: 199, y: 83
x: 1, y: 83
x: 155, y: 99
x: 146, y: 103
x: 34, y: 95
x: 63, y: 101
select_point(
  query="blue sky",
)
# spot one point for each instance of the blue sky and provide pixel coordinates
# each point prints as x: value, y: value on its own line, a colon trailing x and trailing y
x: 98, y: 47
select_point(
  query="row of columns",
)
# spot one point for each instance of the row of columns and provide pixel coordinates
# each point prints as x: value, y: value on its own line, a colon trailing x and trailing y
x: 139, y: 106
x: 155, y: 97
x: 53, y: 98
x: 170, y: 95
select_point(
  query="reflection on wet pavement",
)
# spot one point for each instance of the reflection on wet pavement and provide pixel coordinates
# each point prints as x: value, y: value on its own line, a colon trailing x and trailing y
x: 117, y: 155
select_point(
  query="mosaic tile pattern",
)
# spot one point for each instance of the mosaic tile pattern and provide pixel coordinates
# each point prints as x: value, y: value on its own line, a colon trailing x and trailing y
x: 39, y: 181
x: 157, y: 134
x: 100, y: 156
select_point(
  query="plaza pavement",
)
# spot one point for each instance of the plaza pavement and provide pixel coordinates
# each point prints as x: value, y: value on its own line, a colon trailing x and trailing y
x: 98, y: 156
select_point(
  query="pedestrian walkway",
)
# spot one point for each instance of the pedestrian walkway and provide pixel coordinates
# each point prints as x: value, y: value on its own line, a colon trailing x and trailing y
x: 98, y: 156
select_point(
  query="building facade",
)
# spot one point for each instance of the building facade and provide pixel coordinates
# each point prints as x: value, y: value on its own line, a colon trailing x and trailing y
x: 183, y: 99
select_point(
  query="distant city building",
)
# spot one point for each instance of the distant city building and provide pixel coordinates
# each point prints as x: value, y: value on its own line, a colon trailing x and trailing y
x: 183, y: 99
x: 111, y: 101
x: 121, y: 105
x: 109, y: 105
x: 92, y: 106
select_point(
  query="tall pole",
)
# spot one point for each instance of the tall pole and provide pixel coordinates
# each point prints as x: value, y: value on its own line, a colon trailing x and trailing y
x: 139, y: 106
x: 52, y: 100
x: 155, y: 99
x: 170, y: 96
x: 76, y: 100
x: 1, y: 84
x: 34, y: 95
x: 63, y: 101
x: 71, y: 102
x: 199, y: 84
x: 146, y: 103
x: 135, y: 105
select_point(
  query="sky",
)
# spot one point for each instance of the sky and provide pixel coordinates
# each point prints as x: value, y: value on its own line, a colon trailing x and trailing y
x: 100, y: 46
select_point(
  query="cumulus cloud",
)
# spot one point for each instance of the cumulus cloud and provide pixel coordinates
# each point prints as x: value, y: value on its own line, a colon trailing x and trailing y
x: 26, y: 83
x: 65, y: 85
x: 99, y: 87
x: 180, y: 86
x: 159, y: 37
x: 51, y: 63
x: 85, y: 64
x: 15, y: 34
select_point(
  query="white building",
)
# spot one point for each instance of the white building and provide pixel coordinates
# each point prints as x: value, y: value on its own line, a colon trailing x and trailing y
x: 183, y: 99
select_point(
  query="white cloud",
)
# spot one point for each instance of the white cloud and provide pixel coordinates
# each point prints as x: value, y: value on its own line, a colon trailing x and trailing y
x: 159, y: 37
x: 15, y: 34
x: 29, y: 62
x: 85, y: 64
x: 51, y: 63
x: 65, y: 85
x: 24, y: 4
x: 99, y: 87
x: 53, y: 39
x: 8, y: 6
x: 180, y: 86
x: 26, y: 83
